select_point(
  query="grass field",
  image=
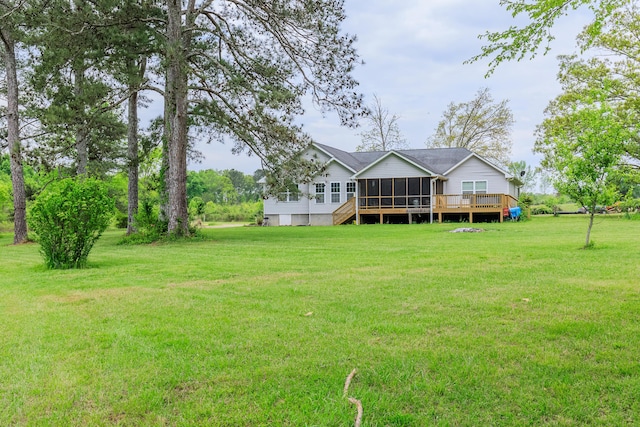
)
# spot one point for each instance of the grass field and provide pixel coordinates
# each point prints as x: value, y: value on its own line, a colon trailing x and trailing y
x: 259, y: 326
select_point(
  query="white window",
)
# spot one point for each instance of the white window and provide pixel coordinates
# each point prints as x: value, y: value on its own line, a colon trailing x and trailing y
x: 351, y: 190
x: 289, y: 196
x: 320, y: 193
x: 474, y: 187
x: 335, y: 192
x: 292, y: 194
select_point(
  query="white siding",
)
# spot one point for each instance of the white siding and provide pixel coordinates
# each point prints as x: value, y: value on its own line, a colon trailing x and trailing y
x: 476, y: 170
x: 335, y: 172
x: 514, y: 190
x: 393, y: 167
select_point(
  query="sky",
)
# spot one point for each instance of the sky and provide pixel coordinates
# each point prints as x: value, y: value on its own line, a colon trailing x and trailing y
x: 414, y: 53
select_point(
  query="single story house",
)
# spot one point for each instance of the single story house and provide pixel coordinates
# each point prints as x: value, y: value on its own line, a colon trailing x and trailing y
x: 398, y: 186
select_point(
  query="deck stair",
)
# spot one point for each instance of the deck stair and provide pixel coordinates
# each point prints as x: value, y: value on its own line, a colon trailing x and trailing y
x: 345, y: 213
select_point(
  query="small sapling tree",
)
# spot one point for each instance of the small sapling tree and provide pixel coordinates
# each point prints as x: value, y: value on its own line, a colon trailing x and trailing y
x: 69, y: 217
x: 584, y: 147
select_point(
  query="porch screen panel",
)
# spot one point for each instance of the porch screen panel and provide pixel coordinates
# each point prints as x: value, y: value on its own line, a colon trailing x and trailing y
x: 400, y: 192
x: 426, y: 191
x: 426, y: 186
x: 414, y: 190
x: 414, y: 186
x: 373, y: 187
x: 373, y: 191
x: 386, y: 189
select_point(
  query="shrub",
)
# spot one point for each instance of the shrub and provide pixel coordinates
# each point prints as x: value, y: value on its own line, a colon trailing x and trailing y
x: 541, y: 210
x: 68, y: 219
x: 121, y: 219
x: 150, y: 227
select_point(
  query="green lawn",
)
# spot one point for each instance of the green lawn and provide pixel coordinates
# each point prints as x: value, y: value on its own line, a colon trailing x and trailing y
x: 260, y: 326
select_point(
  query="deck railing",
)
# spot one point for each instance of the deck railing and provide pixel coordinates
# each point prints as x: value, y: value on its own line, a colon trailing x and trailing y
x: 443, y: 203
x: 394, y: 202
x: 475, y: 201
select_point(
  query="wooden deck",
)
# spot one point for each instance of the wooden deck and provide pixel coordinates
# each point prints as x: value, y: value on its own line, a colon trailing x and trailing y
x: 462, y: 205
x: 470, y: 204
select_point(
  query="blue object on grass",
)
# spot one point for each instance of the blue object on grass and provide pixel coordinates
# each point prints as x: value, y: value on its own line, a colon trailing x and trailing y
x: 514, y: 213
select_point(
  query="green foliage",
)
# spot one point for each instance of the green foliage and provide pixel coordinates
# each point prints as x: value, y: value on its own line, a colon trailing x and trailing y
x: 541, y: 210
x: 517, y: 43
x: 584, y: 148
x: 5, y: 196
x: 245, y: 212
x: 223, y: 187
x: 526, y: 200
x: 150, y: 226
x: 630, y: 207
x: 196, y: 208
x: 69, y: 217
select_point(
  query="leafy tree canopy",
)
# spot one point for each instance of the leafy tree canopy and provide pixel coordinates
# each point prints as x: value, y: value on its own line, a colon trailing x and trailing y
x: 583, y: 149
x: 517, y: 43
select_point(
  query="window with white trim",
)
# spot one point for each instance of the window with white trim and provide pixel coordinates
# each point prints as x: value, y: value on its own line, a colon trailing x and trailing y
x: 474, y: 187
x: 292, y: 194
x: 335, y: 192
x: 289, y: 196
x: 351, y: 189
x: 320, y: 193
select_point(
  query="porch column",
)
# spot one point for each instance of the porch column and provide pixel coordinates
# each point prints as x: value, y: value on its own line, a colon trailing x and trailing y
x: 431, y: 196
x: 357, y: 202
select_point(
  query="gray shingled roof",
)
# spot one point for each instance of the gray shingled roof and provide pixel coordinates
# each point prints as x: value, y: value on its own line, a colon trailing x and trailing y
x: 437, y: 160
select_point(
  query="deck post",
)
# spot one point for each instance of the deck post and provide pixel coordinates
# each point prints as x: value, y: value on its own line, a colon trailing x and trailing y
x: 470, y: 217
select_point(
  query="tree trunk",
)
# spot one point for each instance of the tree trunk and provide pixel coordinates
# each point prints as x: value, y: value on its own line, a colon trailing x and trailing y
x: 177, y: 94
x: 132, y: 154
x: 82, y: 147
x: 13, y: 138
x: 591, y: 217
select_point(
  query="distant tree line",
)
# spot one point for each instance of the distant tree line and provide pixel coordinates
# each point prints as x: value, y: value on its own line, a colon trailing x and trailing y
x: 227, y: 195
